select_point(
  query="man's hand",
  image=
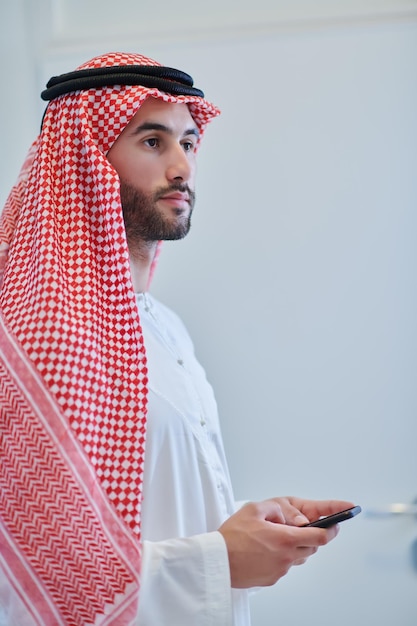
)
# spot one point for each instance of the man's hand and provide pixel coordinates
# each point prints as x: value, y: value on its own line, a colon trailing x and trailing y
x: 264, y: 540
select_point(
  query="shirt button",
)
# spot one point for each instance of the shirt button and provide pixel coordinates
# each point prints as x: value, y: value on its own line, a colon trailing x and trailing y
x: 180, y: 362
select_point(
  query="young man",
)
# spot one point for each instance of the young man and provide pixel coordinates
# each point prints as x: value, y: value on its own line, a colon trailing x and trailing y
x: 92, y: 529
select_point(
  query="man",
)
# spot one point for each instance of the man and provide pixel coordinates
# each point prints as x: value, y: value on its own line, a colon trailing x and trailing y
x: 93, y: 531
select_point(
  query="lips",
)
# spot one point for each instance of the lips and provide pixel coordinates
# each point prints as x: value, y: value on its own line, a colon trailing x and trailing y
x: 177, y: 199
x: 176, y: 195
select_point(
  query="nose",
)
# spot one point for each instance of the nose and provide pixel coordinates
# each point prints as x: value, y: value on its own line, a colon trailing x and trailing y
x: 179, y: 165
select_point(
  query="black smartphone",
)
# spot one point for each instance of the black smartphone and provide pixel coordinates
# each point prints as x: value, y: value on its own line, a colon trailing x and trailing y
x: 330, y: 520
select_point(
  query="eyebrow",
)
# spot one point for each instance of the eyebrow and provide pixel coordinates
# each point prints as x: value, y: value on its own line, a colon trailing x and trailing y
x: 162, y: 128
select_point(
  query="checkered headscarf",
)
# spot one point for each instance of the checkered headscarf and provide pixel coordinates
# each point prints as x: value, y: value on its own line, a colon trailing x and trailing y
x: 67, y: 295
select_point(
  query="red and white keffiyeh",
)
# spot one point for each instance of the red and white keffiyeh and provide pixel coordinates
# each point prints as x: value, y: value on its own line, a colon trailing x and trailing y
x: 73, y: 379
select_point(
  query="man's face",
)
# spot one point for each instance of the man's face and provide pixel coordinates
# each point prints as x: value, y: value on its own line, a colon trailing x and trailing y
x: 155, y: 159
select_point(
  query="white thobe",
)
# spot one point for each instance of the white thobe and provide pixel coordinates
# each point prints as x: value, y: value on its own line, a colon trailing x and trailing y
x: 185, y: 579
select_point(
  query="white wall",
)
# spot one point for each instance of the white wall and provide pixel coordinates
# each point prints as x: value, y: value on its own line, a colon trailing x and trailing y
x: 297, y: 281
x: 18, y: 109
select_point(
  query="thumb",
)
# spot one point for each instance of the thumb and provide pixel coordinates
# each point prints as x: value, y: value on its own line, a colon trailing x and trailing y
x: 291, y: 513
x: 273, y: 512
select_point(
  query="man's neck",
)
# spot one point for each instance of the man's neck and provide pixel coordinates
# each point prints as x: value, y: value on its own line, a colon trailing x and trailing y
x: 140, y: 265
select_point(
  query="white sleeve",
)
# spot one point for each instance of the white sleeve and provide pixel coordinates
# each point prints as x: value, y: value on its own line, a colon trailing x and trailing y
x: 185, y: 582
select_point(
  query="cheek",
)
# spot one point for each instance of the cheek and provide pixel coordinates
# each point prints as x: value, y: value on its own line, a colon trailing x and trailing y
x: 118, y: 160
x: 193, y: 172
x: 130, y: 168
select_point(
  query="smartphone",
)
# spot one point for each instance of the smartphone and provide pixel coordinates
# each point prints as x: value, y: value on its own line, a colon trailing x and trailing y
x: 330, y: 520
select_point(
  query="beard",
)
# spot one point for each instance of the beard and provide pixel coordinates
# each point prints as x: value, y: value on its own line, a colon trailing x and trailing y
x: 145, y: 222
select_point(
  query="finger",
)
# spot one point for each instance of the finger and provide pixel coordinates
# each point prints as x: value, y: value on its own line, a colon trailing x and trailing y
x: 304, y: 554
x: 309, y: 538
x: 292, y: 514
x: 269, y: 510
x: 313, y: 509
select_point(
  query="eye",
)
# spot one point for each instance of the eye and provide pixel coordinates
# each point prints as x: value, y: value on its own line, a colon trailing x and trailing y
x: 189, y: 146
x: 152, y: 142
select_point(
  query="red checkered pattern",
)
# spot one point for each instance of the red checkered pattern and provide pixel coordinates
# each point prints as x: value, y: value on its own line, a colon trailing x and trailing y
x: 67, y: 294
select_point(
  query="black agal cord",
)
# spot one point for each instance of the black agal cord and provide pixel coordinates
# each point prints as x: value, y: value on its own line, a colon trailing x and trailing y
x: 164, y: 78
